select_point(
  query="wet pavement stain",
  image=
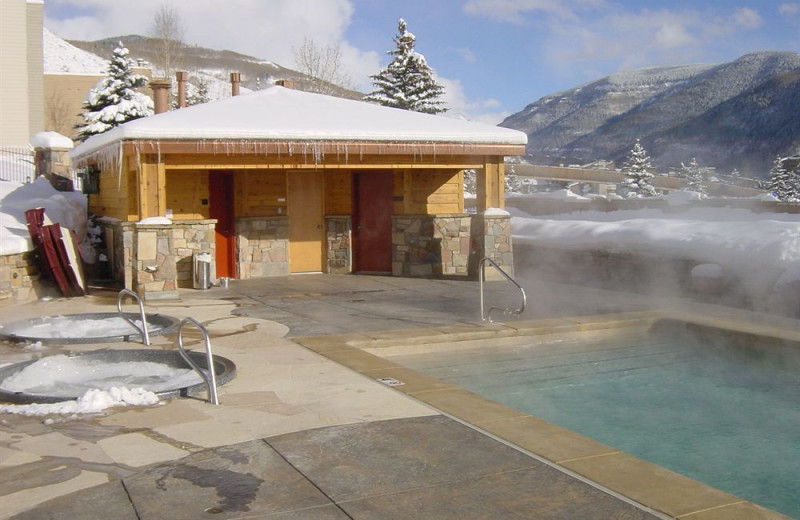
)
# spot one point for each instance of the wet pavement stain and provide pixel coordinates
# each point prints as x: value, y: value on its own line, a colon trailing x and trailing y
x: 237, y: 490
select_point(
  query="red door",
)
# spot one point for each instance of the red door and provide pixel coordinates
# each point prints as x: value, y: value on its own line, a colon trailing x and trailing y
x: 220, y: 207
x: 372, y: 222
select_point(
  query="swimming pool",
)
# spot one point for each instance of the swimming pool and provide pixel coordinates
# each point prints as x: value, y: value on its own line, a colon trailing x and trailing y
x: 720, y: 408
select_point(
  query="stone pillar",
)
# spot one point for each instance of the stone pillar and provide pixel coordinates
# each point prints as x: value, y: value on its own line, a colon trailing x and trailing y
x: 52, y: 160
x: 491, y: 237
x: 339, y: 239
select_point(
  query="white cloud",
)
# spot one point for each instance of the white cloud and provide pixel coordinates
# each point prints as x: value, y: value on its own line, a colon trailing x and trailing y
x: 459, y: 105
x: 515, y: 11
x: 268, y: 30
x: 626, y: 39
x: 789, y: 8
x: 747, y: 18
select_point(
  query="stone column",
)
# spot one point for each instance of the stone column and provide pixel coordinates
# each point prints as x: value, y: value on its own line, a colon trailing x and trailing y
x: 52, y: 160
x: 491, y: 237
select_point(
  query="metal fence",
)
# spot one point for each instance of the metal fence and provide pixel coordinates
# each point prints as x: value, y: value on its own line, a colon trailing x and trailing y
x: 17, y: 164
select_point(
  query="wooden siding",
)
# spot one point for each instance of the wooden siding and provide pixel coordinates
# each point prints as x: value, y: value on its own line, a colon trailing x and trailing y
x: 187, y: 194
x: 339, y: 193
x: 259, y: 193
x: 117, y: 195
x: 433, y: 192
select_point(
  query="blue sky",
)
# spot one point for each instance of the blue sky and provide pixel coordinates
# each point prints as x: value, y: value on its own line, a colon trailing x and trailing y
x: 493, y: 56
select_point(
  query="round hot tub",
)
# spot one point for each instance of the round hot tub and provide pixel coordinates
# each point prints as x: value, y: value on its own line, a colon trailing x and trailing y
x: 97, y: 327
x: 57, y: 378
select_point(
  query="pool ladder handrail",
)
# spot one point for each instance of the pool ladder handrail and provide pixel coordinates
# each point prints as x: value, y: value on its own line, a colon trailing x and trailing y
x: 210, y: 377
x: 487, y: 316
x: 142, y: 331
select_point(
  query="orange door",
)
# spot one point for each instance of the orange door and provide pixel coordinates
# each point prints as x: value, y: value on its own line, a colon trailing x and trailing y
x: 220, y: 207
x: 372, y: 222
x: 306, y: 221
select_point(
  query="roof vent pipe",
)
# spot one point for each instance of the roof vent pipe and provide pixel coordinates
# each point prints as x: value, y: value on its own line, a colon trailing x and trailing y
x: 181, y: 76
x: 160, y: 88
x: 236, y: 78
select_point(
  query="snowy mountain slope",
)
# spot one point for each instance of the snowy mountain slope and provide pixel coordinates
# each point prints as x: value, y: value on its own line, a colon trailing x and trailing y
x: 213, y: 66
x: 601, y: 120
x: 61, y: 57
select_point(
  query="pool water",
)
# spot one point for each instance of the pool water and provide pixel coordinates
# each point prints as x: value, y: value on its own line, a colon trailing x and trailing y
x: 719, y: 412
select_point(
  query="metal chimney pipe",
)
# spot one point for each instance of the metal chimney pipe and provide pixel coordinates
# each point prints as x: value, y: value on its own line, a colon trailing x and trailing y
x: 236, y: 78
x: 181, y: 76
x: 160, y: 88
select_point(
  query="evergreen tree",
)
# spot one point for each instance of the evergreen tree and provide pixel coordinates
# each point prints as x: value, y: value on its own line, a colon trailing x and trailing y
x: 513, y: 184
x: 638, y: 180
x: 695, y: 181
x: 407, y: 82
x: 783, y: 182
x: 114, y: 100
x: 198, y: 94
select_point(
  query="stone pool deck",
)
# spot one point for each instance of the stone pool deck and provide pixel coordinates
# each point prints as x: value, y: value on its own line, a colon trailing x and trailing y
x: 306, y: 431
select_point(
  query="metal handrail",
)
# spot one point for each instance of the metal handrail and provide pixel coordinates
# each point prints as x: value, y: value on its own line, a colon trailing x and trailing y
x: 142, y: 331
x: 209, y: 377
x: 487, y: 316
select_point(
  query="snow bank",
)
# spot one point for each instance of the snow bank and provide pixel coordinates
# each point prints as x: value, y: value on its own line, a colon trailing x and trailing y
x: 66, y: 208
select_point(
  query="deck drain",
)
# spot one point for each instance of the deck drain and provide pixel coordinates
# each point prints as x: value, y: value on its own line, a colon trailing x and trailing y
x: 390, y: 381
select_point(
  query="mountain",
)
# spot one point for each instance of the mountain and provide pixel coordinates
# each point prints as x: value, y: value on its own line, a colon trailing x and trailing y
x: 211, y: 66
x: 739, y: 114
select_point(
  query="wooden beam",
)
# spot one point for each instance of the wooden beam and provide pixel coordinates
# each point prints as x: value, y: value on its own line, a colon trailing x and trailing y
x: 491, y: 184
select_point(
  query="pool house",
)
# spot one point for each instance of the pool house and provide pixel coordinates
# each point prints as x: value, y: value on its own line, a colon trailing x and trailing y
x: 281, y: 181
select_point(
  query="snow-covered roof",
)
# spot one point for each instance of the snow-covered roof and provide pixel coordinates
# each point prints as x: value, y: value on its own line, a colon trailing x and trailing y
x: 278, y: 114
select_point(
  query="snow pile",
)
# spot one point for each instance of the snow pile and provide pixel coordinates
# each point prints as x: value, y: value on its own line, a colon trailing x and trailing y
x: 93, y: 401
x: 65, y: 208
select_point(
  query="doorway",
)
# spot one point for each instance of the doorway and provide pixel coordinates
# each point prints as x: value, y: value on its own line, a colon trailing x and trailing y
x: 372, y: 222
x: 220, y: 207
x: 306, y: 221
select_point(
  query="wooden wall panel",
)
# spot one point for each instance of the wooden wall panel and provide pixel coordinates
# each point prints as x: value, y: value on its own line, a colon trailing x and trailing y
x: 339, y: 193
x: 187, y: 194
x: 117, y: 196
x: 259, y: 193
x: 435, y: 192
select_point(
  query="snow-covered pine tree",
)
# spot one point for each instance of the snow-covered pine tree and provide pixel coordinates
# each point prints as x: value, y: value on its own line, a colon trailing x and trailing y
x: 470, y: 182
x: 114, y: 100
x: 638, y: 179
x: 198, y: 94
x: 784, y: 183
x: 513, y: 184
x: 407, y: 82
x: 695, y: 181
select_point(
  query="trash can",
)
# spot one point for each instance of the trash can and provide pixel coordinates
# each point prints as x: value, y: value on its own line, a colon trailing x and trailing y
x: 201, y: 274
